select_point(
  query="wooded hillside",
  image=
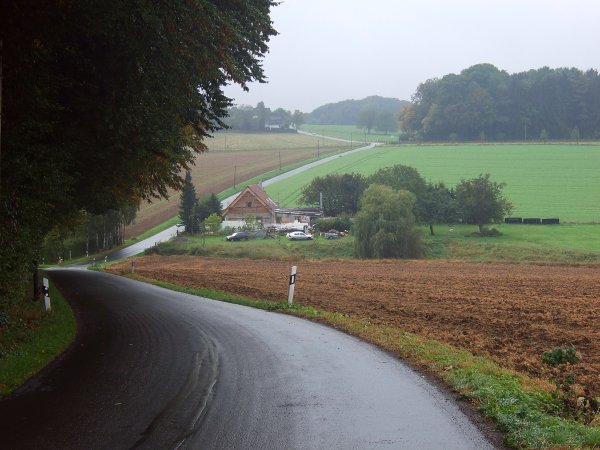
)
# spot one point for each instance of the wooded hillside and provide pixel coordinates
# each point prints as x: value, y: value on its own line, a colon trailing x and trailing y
x: 348, y: 112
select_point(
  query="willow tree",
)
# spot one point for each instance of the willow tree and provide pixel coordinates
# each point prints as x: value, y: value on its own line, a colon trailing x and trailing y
x: 385, y: 225
x: 106, y: 103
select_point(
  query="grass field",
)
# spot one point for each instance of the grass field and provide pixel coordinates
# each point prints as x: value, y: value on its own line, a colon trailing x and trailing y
x: 243, y: 142
x: 554, y: 180
x: 351, y: 133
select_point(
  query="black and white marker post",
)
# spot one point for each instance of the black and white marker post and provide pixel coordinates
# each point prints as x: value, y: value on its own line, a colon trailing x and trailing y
x: 46, y: 291
x: 292, y: 284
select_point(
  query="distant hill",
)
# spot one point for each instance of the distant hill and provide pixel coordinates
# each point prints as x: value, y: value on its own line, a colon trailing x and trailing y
x: 347, y: 112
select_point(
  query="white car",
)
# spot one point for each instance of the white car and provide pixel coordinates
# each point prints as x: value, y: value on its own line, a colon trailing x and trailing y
x: 298, y: 236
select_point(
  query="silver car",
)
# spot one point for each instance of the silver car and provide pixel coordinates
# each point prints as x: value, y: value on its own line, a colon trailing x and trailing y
x: 298, y: 236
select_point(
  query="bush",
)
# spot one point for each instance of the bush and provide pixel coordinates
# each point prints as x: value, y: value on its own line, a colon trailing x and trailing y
x: 341, y: 223
x: 487, y: 232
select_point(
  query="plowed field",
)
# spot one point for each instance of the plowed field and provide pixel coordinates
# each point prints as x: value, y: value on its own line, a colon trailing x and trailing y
x: 510, y: 312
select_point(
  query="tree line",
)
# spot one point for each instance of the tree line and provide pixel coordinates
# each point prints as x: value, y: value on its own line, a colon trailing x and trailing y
x: 260, y: 119
x: 477, y: 201
x: 106, y: 103
x: 357, y: 112
x: 485, y: 103
x: 86, y: 234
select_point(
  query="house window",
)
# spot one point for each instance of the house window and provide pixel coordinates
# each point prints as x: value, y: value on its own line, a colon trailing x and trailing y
x: 249, y: 204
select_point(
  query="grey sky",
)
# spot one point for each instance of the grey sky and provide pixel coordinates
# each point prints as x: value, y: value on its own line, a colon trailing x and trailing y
x: 333, y: 50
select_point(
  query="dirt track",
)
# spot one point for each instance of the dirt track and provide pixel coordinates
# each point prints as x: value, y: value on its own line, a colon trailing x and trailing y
x: 511, y: 312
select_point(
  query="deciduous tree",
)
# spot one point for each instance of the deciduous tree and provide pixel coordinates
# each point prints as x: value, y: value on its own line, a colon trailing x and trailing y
x: 106, y: 103
x: 480, y: 201
x: 340, y: 193
x: 385, y: 225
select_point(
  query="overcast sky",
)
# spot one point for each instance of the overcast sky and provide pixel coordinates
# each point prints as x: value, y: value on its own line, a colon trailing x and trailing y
x: 333, y: 50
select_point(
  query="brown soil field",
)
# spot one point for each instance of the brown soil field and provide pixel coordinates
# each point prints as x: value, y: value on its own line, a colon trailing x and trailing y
x: 214, y: 170
x: 509, y: 312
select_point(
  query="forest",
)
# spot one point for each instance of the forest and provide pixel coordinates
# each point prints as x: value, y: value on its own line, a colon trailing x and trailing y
x: 487, y: 104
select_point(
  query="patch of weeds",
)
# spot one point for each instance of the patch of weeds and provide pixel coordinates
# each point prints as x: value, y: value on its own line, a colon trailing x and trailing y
x: 580, y: 406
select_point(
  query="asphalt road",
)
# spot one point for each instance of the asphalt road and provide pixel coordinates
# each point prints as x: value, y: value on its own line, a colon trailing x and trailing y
x: 154, y: 369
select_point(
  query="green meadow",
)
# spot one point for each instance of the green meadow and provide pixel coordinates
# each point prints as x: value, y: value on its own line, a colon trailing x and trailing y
x: 351, y: 133
x: 542, y: 180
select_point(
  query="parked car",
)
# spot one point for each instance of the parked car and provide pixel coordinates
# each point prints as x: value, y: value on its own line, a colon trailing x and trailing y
x: 238, y: 236
x: 298, y: 236
x: 332, y: 235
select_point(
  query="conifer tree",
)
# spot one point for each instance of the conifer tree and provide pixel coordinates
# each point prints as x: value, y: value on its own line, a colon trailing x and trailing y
x: 187, y: 203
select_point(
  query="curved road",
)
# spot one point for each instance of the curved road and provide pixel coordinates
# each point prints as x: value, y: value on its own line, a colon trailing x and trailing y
x: 155, y: 369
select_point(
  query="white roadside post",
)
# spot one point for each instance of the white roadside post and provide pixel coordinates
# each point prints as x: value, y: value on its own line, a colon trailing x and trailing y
x: 46, y: 291
x: 132, y: 266
x: 292, y: 284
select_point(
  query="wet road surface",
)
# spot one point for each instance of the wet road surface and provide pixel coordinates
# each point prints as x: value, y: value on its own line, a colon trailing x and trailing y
x: 155, y: 369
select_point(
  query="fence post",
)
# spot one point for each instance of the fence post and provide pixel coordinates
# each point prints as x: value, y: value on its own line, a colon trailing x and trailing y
x: 292, y: 284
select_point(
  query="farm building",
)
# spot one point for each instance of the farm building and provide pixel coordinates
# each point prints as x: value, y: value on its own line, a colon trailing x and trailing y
x: 253, y: 201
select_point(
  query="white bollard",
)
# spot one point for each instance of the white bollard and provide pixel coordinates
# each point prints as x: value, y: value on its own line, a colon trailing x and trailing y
x: 292, y: 284
x: 132, y: 266
x: 46, y: 290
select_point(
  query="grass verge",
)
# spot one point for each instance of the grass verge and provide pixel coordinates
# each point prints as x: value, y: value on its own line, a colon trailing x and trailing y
x: 32, y: 338
x: 521, y: 407
x: 555, y: 244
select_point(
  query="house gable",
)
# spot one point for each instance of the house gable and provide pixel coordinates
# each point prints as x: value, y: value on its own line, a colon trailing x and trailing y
x: 252, y: 201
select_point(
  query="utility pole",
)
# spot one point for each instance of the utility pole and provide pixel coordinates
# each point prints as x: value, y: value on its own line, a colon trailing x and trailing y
x: 234, y: 174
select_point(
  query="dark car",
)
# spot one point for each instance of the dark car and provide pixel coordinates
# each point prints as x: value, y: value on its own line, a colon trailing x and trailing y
x: 238, y: 236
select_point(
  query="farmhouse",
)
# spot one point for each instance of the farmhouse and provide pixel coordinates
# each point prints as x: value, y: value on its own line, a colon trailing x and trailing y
x: 254, y: 202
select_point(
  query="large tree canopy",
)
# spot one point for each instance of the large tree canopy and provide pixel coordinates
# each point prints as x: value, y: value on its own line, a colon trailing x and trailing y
x: 105, y: 103
x: 485, y: 103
